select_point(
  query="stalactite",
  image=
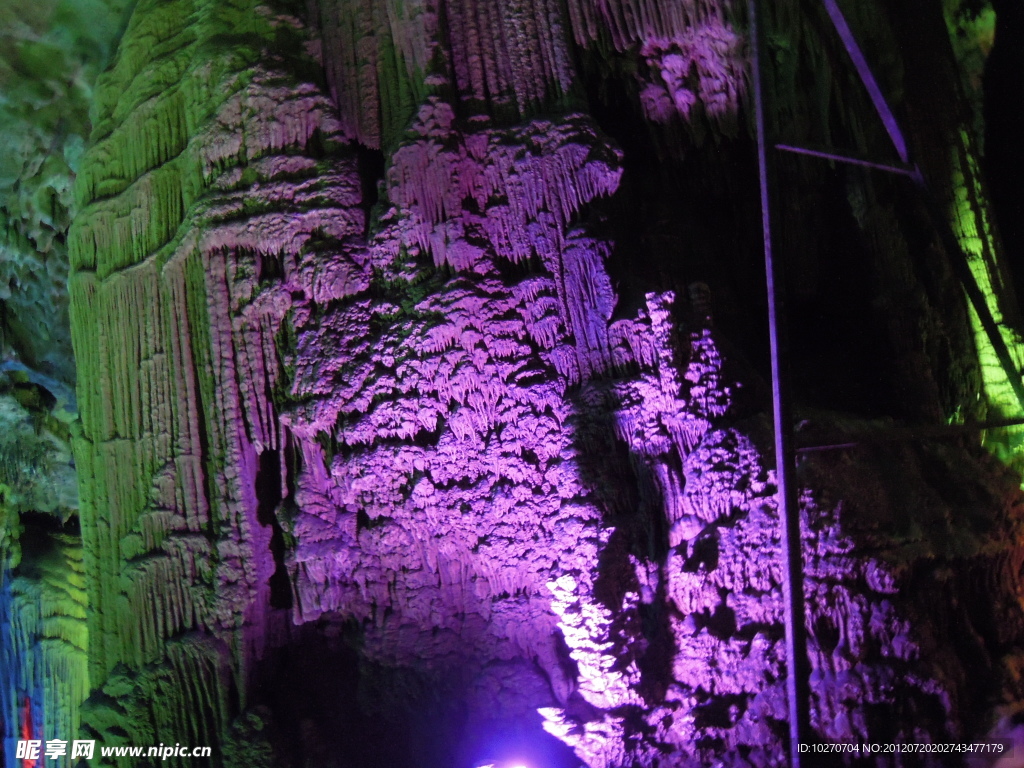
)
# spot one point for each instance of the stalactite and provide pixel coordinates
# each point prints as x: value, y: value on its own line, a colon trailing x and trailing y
x: 43, y: 645
x: 383, y: 58
x: 191, y: 194
x: 506, y: 481
x: 43, y: 604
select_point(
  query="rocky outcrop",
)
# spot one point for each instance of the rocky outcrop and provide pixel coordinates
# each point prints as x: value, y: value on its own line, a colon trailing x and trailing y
x: 393, y: 425
x: 43, y: 636
x: 212, y: 164
x: 51, y: 55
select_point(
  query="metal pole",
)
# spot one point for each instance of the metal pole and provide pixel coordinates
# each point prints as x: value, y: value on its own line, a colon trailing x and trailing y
x: 797, y: 679
x: 960, y: 266
x: 949, y: 241
x: 907, y: 434
x: 892, y: 126
x: 836, y: 157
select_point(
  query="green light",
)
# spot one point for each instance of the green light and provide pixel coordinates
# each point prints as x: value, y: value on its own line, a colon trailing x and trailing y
x: 974, y: 231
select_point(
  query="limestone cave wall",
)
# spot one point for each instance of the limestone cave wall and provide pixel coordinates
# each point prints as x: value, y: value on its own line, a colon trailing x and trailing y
x: 422, y: 414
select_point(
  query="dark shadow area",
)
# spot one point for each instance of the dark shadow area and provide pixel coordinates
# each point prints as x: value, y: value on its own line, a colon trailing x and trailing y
x: 685, y: 215
x: 371, y: 165
x: 268, y: 494
x: 1003, y: 85
x: 325, y: 705
x: 37, y: 543
x: 310, y: 688
x: 680, y: 215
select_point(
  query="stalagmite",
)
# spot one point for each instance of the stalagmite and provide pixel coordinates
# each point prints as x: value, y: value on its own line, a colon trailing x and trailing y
x: 401, y: 437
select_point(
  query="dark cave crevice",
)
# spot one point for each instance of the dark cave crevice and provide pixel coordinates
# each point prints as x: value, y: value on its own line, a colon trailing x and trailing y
x: 37, y: 542
x: 269, y: 495
x: 371, y: 165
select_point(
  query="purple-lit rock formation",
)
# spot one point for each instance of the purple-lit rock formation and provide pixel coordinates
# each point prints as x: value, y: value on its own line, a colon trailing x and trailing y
x: 418, y: 351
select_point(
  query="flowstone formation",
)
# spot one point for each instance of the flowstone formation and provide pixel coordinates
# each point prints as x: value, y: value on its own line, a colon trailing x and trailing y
x: 410, y: 430
x: 207, y: 170
x: 43, y: 638
x: 50, y: 55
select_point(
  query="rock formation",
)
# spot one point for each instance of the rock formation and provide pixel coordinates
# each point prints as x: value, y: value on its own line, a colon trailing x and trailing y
x: 420, y: 352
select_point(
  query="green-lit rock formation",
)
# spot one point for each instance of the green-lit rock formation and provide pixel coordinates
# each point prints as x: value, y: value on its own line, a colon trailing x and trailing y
x: 50, y: 56
x: 212, y: 160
